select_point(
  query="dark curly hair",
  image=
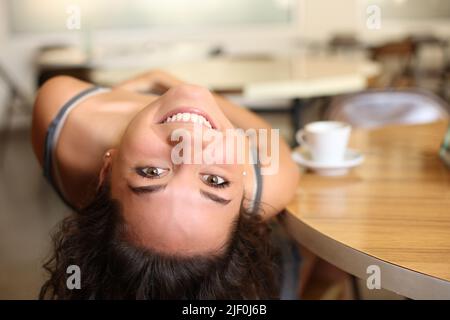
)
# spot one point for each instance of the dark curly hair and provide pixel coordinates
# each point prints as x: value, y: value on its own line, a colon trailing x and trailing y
x: 114, y: 268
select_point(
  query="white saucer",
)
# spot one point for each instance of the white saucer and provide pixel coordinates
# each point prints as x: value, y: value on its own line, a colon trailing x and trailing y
x: 352, y: 159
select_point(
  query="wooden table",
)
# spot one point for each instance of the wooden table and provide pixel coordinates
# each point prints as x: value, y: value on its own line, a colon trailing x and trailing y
x: 393, y: 212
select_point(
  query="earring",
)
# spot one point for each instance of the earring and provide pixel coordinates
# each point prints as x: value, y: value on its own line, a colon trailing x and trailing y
x: 244, y: 173
x: 108, y: 154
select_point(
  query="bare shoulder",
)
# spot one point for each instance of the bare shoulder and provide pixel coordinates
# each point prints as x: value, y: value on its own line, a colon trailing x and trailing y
x: 51, y: 96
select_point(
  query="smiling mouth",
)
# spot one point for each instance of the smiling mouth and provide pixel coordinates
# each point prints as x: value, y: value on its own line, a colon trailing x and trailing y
x: 191, y: 116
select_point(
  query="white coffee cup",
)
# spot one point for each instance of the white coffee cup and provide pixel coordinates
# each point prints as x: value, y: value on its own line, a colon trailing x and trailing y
x: 326, y: 141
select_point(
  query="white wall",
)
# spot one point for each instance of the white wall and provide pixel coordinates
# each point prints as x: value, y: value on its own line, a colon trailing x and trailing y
x: 323, y: 18
x: 3, y: 94
x: 319, y: 19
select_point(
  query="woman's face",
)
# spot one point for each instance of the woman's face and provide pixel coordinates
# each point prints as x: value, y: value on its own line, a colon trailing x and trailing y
x: 178, y: 208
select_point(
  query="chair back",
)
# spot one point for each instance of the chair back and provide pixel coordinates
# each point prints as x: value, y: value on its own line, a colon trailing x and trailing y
x: 376, y: 108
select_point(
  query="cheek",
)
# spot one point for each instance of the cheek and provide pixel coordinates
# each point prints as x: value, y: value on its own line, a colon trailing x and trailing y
x: 142, y: 144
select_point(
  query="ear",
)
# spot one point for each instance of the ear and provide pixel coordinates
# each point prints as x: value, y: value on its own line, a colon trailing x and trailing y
x: 107, y: 161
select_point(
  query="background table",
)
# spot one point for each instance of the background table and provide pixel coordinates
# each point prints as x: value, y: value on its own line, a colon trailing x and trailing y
x: 393, y: 211
x: 296, y: 77
x: 264, y: 77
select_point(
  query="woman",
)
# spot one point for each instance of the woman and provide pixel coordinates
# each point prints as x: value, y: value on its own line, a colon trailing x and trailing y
x: 145, y: 227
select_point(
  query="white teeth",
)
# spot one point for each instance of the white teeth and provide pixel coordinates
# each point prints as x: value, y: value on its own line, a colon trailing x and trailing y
x: 189, y: 117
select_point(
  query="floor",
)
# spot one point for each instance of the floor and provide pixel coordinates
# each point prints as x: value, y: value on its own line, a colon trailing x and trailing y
x: 29, y: 210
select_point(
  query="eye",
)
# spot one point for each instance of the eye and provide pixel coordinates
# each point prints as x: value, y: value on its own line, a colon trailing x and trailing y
x: 152, y: 172
x: 214, y: 181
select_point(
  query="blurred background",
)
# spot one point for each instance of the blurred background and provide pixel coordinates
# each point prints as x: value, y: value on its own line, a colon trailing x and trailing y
x: 292, y: 61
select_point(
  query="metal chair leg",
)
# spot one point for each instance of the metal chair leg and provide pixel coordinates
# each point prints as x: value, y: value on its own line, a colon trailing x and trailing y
x: 355, y: 287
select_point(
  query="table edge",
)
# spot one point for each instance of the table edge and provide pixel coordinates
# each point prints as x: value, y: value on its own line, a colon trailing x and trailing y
x: 403, y: 281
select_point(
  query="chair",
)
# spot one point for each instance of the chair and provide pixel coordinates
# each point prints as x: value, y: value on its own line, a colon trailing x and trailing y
x: 345, y: 43
x: 397, y: 58
x: 376, y: 108
x: 437, y: 73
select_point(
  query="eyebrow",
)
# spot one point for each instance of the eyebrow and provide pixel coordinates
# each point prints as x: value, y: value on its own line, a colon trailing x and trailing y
x: 147, y: 189
x: 214, y: 197
x: 161, y: 187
